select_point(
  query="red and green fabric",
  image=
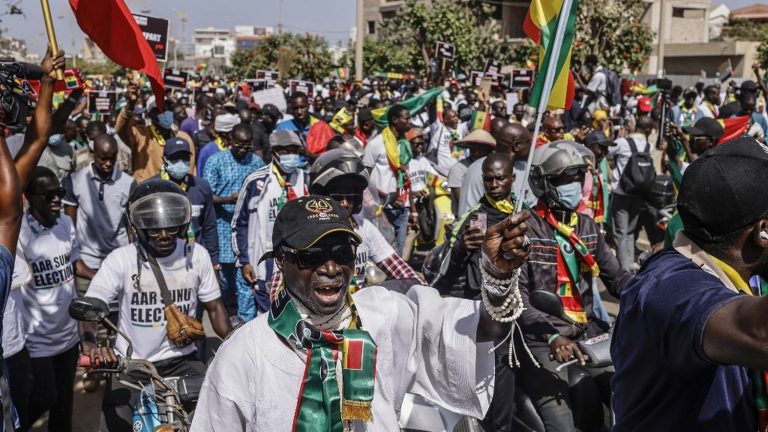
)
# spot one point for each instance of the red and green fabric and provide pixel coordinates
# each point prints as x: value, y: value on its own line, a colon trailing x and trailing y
x: 573, y: 259
x: 480, y: 120
x: 540, y: 25
x: 414, y: 105
x: 733, y: 127
x: 321, y: 407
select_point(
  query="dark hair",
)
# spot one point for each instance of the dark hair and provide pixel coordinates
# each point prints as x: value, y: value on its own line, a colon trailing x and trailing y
x: 242, y: 129
x: 590, y: 59
x: 298, y: 95
x: 394, y: 112
x: 96, y: 126
x: 38, y: 173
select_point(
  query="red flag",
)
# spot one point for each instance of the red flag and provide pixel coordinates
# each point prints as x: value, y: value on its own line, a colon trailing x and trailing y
x: 733, y: 127
x: 112, y: 28
x: 318, y: 136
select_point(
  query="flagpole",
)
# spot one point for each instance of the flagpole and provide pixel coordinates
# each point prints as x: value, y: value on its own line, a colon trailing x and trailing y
x: 549, y: 81
x: 51, y: 35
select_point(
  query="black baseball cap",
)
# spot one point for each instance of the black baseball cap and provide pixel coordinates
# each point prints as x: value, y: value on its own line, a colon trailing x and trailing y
x: 598, y: 137
x: 706, y: 127
x: 749, y: 86
x: 724, y: 190
x: 364, y: 114
x: 304, y: 221
x: 176, y: 145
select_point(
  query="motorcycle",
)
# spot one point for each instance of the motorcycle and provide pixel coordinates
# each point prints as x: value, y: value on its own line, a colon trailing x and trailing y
x: 587, y: 406
x: 162, y: 401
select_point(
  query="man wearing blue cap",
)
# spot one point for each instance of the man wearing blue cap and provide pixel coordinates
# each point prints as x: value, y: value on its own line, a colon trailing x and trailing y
x: 177, y: 161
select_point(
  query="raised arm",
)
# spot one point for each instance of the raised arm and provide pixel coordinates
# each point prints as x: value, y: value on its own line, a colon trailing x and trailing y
x: 65, y: 110
x: 124, y: 122
x: 39, y: 130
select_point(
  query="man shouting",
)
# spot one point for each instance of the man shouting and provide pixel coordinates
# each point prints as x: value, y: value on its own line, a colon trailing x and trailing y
x: 327, y: 358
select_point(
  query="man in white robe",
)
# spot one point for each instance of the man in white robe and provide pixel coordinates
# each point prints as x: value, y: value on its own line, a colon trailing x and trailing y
x: 424, y: 344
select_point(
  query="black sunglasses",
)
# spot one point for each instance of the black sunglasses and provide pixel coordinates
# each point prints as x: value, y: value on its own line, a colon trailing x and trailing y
x: 50, y: 195
x: 348, y: 197
x: 314, y: 257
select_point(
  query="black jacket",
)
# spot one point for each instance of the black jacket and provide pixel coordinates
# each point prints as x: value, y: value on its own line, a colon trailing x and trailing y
x: 465, y: 263
x: 540, y: 272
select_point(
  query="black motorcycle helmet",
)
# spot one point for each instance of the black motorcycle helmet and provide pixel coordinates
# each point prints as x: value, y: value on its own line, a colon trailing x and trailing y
x: 335, y: 168
x: 158, y: 204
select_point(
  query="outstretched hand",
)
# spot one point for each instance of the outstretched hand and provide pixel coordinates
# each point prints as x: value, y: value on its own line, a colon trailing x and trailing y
x: 506, y: 245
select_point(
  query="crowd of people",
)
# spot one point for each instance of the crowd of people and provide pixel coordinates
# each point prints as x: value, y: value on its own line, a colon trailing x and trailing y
x: 379, y: 222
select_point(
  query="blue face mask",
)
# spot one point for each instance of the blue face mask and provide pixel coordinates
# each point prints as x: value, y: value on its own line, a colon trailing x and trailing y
x: 177, y: 169
x: 291, y: 162
x: 569, y: 195
x: 165, y: 120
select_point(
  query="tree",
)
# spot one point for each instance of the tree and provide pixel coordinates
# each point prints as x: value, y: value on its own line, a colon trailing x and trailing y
x: 301, y: 56
x: 613, y: 30
x: 407, y: 40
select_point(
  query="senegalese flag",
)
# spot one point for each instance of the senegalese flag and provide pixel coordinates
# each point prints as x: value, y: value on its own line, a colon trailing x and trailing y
x: 480, y: 120
x: 540, y: 25
x: 733, y: 127
x: 414, y: 105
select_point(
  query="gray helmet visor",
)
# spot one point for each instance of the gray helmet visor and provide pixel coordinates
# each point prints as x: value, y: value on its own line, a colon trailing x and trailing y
x: 160, y: 210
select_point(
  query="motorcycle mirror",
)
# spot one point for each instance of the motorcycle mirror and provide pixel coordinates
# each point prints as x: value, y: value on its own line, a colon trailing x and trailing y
x: 548, y: 302
x: 88, y: 309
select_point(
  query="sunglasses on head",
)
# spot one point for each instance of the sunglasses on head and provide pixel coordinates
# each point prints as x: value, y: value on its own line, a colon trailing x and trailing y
x: 51, y: 194
x: 314, y: 257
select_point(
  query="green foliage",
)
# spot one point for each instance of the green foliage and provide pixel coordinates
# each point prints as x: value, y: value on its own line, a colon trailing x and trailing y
x: 613, y: 30
x: 100, y: 68
x: 745, y: 30
x: 404, y: 40
x: 301, y: 56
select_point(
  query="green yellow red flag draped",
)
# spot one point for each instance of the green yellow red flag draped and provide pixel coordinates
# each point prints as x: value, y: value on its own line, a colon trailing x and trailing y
x: 540, y: 25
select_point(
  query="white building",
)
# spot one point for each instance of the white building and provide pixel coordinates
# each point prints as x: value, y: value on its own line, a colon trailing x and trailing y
x: 213, y: 43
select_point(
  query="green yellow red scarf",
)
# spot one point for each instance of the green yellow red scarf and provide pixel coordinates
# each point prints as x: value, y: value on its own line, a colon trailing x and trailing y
x: 398, y: 154
x: 569, y: 269
x: 321, y: 407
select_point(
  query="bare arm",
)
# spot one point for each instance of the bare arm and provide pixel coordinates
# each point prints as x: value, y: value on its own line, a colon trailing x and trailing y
x: 10, y: 200
x: 737, y: 333
x: 125, y: 118
x: 37, y: 135
x: 71, y: 211
x: 59, y: 119
x: 83, y: 271
x: 219, y: 317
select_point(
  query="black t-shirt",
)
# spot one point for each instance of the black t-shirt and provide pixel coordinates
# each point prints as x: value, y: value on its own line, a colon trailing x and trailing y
x: 663, y: 380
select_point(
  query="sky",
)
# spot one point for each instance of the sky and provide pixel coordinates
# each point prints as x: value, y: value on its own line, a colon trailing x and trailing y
x: 333, y: 19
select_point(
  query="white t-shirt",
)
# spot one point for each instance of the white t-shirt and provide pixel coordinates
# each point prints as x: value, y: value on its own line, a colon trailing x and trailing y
x: 425, y: 345
x: 440, y: 143
x: 374, y: 247
x: 598, y: 84
x: 620, y: 153
x: 51, y: 254
x: 13, y: 325
x: 382, y: 178
x: 188, y: 272
x: 417, y: 171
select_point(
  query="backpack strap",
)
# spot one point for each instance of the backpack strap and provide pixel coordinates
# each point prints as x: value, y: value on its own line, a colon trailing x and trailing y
x: 632, y: 146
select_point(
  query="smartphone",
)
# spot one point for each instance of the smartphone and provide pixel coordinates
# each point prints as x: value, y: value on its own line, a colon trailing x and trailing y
x: 479, y: 220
